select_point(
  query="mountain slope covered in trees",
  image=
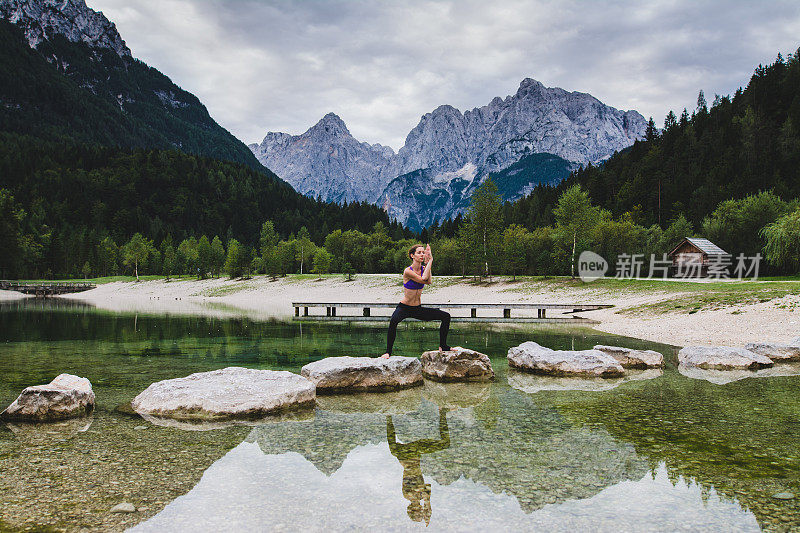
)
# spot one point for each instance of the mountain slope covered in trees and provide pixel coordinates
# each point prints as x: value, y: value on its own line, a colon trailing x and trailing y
x: 741, y: 145
x: 70, y: 90
x: 68, y: 197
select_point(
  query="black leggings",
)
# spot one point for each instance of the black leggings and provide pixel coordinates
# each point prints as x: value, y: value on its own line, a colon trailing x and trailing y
x: 404, y: 311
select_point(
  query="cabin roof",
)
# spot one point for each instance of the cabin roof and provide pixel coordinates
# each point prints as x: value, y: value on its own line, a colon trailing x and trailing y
x: 704, y: 245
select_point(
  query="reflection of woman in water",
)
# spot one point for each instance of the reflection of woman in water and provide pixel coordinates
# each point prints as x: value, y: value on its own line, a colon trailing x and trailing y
x: 409, y: 454
x: 415, y: 278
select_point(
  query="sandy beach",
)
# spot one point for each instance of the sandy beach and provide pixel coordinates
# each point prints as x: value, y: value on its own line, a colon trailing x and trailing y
x: 260, y: 298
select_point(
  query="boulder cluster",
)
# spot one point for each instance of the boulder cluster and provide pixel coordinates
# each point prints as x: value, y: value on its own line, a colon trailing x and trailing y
x: 244, y: 394
x: 599, y: 362
x: 240, y: 394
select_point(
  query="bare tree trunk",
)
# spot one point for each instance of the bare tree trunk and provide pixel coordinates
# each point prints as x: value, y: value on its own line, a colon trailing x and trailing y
x: 574, y: 242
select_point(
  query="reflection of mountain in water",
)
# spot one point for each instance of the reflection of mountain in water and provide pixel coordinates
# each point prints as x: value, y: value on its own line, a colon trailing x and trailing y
x: 249, y: 491
x: 325, y: 441
x: 534, y: 454
x: 510, y: 446
x: 745, y: 448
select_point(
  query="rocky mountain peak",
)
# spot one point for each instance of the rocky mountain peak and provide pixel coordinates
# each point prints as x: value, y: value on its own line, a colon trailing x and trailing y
x: 331, y: 124
x: 529, y: 84
x: 43, y: 19
x: 448, y: 153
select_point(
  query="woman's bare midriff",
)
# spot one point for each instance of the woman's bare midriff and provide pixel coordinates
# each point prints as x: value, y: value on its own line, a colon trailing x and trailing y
x: 412, y: 296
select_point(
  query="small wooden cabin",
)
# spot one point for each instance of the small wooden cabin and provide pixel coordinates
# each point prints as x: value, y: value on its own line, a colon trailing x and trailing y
x: 693, y: 255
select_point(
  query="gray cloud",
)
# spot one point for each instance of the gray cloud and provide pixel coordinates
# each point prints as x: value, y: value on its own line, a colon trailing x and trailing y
x: 280, y: 66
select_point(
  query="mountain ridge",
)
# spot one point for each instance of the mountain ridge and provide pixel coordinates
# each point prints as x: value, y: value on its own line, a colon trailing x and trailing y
x: 447, y: 144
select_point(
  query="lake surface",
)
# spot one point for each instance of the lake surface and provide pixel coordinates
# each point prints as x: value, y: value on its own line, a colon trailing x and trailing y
x: 661, y: 451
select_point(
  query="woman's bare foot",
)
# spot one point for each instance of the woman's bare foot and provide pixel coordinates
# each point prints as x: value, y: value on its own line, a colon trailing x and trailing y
x: 385, y: 356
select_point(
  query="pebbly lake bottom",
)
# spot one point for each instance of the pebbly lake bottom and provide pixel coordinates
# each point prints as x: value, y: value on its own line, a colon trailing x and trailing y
x: 659, y: 452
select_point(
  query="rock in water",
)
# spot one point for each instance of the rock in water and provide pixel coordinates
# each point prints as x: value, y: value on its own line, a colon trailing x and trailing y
x: 779, y: 353
x: 630, y: 358
x: 721, y: 358
x: 458, y: 364
x: 231, y: 392
x: 532, y: 357
x: 123, y: 507
x: 354, y: 374
x: 67, y: 396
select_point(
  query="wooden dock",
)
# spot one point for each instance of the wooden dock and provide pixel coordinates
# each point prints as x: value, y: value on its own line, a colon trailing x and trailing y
x: 366, y: 312
x: 45, y: 288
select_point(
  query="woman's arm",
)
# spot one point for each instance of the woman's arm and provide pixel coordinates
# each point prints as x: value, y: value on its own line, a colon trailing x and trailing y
x: 427, y: 275
x: 409, y: 274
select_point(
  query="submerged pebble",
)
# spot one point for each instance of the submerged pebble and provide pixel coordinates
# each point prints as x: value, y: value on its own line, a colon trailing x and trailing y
x: 124, y: 507
x: 783, y: 496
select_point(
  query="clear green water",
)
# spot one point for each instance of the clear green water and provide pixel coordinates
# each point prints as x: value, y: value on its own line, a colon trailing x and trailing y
x: 661, y: 452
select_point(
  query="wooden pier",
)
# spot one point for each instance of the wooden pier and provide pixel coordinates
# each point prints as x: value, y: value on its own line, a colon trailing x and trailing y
x: 44, y: 289
x: 366, y: 312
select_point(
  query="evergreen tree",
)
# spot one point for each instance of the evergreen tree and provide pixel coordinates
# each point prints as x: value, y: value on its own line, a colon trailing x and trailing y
x: 322, y: 261
x: 233, y: 261
x: 651, y: 133
x: 205, y: 257
x: 515, y: 243
x: 217, y: 255
x: 170, y: 262
x: 670, y: 121
x: 268, y: 239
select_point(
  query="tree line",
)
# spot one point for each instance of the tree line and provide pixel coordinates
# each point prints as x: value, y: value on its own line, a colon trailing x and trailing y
x: 481, y: 246
x: 60, y: 200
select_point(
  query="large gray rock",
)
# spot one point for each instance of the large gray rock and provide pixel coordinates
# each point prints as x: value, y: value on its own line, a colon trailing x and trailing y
x: 532, y: 357
x: 777, y: 352
x: 231, y: 392
x: 630, y: 358
x: 353, y: 374
x: 67, y: 396
x: 721, y: 358
x: 458, y: 364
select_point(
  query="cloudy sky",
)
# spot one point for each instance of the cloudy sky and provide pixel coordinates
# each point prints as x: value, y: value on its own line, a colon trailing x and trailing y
x: 277, y: 65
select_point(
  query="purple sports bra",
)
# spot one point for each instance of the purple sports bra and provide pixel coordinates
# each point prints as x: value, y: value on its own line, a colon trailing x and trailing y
x: 413, y: 285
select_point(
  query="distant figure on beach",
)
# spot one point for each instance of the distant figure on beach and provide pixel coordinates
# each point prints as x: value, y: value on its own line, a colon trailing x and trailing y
x: 415, y: 278
x: 415, y: 490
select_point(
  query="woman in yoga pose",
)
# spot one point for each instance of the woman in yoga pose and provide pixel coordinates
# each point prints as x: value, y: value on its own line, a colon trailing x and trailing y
x: 415, y: 278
